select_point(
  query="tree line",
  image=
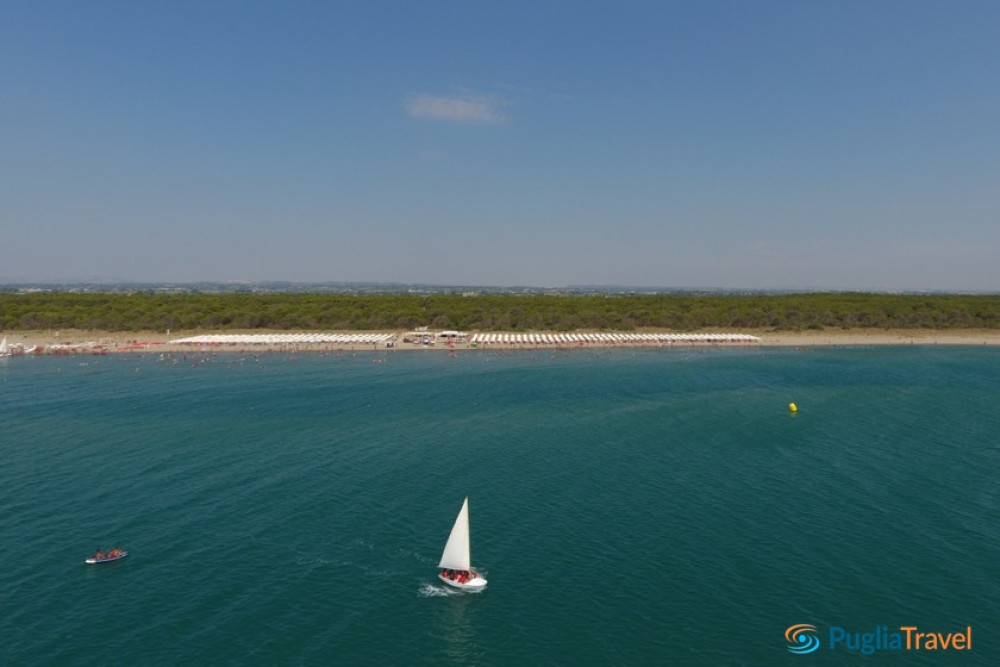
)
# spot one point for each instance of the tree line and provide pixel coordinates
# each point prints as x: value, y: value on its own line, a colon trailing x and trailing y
x: 150, y: 311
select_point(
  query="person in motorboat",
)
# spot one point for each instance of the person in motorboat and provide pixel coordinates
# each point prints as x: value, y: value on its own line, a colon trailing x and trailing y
x: 99, y: 555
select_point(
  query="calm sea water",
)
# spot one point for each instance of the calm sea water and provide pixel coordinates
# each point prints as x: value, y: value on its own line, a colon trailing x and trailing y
x: 628, y: 507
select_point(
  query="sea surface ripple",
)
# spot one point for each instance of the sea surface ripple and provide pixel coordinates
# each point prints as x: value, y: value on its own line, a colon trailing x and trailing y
x: 627, y: 506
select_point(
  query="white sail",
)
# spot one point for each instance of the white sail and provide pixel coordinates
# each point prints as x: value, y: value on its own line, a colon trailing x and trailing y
x: 3, y: 347
x: 456, y: 554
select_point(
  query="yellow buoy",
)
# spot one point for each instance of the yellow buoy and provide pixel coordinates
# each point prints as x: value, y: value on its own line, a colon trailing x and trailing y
x: 793, y: 407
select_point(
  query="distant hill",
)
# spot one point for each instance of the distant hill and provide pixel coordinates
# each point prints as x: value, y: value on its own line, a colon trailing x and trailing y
x: 102, y: 285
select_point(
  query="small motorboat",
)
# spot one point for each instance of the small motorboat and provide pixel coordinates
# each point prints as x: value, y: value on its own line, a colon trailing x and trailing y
x: 99, y: 557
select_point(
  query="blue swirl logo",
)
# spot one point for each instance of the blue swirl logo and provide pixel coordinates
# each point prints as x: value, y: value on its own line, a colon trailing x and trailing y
x: 802, y: 638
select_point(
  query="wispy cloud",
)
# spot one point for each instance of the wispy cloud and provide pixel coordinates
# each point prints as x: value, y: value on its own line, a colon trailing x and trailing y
x: 468, y: 108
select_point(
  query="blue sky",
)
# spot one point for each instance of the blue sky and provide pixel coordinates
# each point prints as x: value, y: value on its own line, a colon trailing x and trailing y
x: 756, y: 144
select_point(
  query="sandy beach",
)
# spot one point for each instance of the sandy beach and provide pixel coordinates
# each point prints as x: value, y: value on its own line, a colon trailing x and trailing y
x: 863, y: 337
x: 106, y: 342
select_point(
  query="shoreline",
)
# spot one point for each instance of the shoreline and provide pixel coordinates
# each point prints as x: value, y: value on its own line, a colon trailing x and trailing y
x: 106, y: 342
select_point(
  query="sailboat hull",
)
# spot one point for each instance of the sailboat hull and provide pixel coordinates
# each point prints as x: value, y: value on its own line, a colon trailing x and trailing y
x: 472, y: 586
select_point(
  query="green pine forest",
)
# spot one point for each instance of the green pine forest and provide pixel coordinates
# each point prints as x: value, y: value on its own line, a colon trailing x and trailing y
x: 150, y: 311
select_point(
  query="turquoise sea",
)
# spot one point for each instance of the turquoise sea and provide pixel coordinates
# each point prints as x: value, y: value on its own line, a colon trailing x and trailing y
x: 629, y: 507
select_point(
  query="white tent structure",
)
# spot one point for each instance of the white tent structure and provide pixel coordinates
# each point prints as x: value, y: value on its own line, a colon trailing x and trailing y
x: 286, y: 339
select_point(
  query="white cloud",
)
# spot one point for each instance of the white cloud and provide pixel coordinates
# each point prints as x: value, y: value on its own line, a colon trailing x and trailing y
x: 470, y: 108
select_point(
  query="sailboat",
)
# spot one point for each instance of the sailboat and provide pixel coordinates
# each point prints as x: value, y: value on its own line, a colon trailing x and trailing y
x: 456, y: 560
x: 4, y: 352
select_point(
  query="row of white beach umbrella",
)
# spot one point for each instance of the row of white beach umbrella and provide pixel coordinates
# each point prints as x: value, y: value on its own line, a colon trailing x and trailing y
x: 479, y: 338
x: 285, y: 339
x: 611, y: 338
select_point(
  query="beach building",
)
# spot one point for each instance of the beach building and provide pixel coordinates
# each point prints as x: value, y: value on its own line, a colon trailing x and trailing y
x: 452, y: 336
